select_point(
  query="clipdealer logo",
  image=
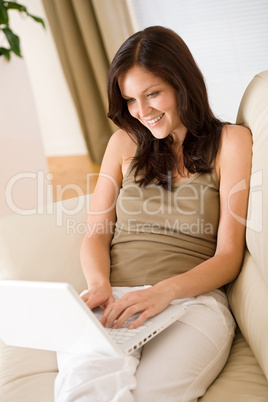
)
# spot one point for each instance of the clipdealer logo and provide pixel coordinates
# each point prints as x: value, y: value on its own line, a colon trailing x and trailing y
x: 45, y: 203
x: 43, y: 190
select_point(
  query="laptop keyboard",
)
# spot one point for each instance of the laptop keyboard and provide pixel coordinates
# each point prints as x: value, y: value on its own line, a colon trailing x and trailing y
x: 124, y: 334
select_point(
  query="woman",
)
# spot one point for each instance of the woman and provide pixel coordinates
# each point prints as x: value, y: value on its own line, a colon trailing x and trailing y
x: 168, y: 213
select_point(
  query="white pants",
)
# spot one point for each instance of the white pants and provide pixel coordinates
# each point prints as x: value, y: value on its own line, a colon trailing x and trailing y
x: 178, y: 365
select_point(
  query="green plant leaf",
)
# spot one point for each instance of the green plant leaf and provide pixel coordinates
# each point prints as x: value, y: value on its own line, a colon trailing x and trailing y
x: 5, y: 52
x: 13, y: 40
x: 3, y: 15
x: 37, y: 19
x: 12, y: 5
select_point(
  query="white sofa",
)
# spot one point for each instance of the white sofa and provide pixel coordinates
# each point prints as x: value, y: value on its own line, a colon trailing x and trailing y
x: 45, y: 246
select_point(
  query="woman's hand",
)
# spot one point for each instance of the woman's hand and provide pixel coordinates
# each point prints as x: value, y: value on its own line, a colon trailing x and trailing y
x: 99, y: 296
x: 148, y: 302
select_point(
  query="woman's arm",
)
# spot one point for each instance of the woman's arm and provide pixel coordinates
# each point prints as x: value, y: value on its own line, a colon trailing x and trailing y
x: 233, y: 166
x: 95, y: 249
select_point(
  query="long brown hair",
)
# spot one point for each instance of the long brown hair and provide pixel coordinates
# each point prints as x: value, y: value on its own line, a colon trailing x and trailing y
x: 162, y: 52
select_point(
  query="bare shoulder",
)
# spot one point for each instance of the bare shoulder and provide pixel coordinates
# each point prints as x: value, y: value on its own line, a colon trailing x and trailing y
x: 121, y: 139
x: 121, y: 147
x: 122, y: 144
x: 111, y: 171
x: 236, y: 144
x: 235, y: 135
x: 235, y: 153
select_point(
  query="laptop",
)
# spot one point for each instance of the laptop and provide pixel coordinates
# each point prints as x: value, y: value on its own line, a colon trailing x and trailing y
x: 52, y: 316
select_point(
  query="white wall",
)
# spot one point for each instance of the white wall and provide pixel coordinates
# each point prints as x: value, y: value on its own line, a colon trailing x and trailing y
x: 37, y: 117
x: 228, y: 38
x: 23, y: 165
x: 59, y: 124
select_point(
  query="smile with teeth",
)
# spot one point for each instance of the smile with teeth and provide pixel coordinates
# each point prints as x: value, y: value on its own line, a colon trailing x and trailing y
x: 153, y: 121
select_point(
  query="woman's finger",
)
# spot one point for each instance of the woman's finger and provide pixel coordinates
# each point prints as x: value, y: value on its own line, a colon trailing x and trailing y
x: 128, y: 313
x: 113, y: 312
x: 140, y: 320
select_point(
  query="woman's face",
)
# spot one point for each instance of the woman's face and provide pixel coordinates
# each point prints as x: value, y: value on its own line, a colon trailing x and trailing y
x: 153, y: 102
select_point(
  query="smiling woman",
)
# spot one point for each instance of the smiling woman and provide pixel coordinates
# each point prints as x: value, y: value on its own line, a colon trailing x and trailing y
x: 151, y: 97
x: 153, y: 101
x: 164, y: 186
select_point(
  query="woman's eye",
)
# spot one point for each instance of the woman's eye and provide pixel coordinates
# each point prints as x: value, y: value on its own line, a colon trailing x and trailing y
x: 131, y: 100
x: 151, y: 95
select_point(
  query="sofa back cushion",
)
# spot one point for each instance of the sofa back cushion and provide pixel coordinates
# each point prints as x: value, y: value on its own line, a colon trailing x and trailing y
x: 248, y: 295
x: 253, y: 112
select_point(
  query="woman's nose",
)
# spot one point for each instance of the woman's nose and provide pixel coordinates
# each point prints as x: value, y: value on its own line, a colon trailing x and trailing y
x: 144, y: 109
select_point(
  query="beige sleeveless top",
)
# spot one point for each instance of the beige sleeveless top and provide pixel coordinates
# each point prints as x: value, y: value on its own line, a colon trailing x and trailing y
x: 161, y: 233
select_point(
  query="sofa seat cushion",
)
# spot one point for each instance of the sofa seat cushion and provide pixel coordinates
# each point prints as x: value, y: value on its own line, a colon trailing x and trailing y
x: 241, y: 380
x: 26, y: 375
